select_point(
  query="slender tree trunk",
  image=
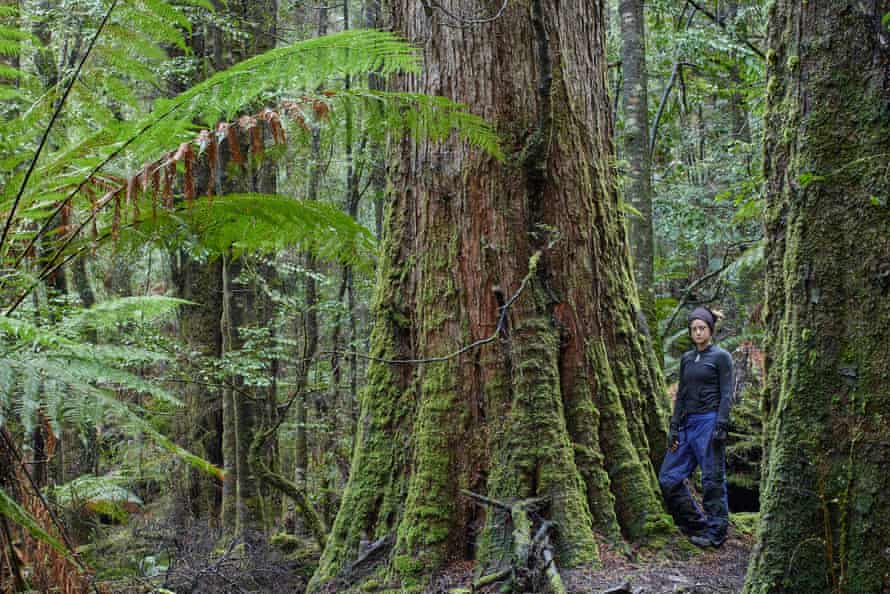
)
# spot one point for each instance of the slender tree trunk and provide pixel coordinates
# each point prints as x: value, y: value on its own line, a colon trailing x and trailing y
x: 567, y: 404
x: 229, y: 507
x: 826, y: 489
x: 310, y: 288
x: 218, y: 416
x: 635, y: 144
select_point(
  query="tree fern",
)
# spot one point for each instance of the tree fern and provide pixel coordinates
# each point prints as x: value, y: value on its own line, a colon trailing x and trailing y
x: 40, y: 364
x: 108, y: 314
x: 299, y: 70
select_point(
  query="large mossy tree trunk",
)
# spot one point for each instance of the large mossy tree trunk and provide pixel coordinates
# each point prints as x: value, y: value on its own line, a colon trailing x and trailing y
x: 826, y: 491
x: 568, y: 402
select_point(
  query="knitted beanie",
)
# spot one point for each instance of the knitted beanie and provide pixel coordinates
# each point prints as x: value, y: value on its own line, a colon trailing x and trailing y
x: 703, y: 314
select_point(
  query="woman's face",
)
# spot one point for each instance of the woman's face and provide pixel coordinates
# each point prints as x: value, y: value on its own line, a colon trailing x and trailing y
x: 701, y: 334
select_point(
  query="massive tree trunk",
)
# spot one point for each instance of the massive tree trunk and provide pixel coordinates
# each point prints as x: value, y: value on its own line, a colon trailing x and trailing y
x: 567, y: 403
x: 635, y: 145
x: 826, y: 489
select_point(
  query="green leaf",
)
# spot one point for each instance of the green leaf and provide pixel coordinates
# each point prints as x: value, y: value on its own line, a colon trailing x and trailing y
x: 805, y: 179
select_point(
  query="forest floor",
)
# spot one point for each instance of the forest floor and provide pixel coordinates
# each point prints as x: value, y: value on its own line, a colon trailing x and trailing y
x: 677, y: 566
x: 676, y: 570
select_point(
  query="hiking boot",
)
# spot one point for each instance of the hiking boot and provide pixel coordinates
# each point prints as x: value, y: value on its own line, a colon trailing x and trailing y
x: 705, y: 542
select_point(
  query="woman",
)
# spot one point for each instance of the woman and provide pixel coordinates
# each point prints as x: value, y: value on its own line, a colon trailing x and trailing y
x: 698, y: 435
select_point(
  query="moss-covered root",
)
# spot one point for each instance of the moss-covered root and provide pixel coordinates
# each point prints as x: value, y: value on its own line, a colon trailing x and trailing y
x: 532, y: 453
x: 630, y: 476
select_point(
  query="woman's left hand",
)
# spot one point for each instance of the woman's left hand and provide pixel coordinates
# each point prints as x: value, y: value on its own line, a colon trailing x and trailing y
x: 719, y: 434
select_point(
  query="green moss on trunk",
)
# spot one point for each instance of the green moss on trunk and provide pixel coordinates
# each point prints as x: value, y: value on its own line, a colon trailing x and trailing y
x: 828, y: 304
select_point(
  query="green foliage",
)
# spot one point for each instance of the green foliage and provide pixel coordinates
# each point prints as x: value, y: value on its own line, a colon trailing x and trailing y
x: 51, y: 370
x: 706, y: 163
x: 250, y: 223
x: 105, y: 494
x: 276, y: 77
x: 19, y: 515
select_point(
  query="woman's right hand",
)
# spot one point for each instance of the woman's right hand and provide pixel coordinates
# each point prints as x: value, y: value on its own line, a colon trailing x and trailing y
x: 673, y: 439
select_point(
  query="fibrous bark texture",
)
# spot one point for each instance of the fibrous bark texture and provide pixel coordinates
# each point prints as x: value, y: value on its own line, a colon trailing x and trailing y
x: 635, y: 145
x: 826, y: 491
x: 566, y: 404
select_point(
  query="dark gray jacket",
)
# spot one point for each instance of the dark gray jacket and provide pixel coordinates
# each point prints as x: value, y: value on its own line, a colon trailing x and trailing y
x: 705, y: 385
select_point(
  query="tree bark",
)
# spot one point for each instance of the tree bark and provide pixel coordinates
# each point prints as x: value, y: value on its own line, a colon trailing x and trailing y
x: 635, y: 144
x: 825, y: 485
x: 569, y: 403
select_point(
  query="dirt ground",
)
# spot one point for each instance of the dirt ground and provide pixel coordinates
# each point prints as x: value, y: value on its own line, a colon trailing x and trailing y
x: 681, y: 568
x: 676, y: 567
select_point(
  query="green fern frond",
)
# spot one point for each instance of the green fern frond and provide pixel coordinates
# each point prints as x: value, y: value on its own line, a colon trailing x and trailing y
x: 107, y: 314
x: 7, y: 385
x: 424, y: 116
x: 84, y: 371
x: 27, y: 334
x: 134, y: 41
x: 10, y: 73
x: 266, y: 223
x: 89, y: 488
x: 168, y: 13
x: 19, y: 515
x: 126, y: 355
x: 79, y: 383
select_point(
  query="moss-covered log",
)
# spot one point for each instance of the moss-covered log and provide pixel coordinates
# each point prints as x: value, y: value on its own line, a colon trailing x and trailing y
x: 568, y: 403
x: 826, y: 490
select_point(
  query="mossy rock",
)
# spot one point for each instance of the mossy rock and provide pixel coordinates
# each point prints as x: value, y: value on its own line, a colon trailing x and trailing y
x: 745, y: 522
x: 286, y: 543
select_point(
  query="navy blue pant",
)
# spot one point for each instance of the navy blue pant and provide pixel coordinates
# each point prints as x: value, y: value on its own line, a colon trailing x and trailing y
x: 697, y: 449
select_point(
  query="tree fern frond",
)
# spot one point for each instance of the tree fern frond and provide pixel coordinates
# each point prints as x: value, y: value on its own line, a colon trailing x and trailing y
x: 134, y: 41
x: 70, y: 372
x: 25, y: 332
x: 164, y: 11
x: 19, y: 515
x: 29, y: 406
x: 303, y: 66
x: 10, y: 73
x: 131, y: 418
x: 112, y: 354
x: 9, y: 48
x: 424, y: 116
x: 88, y: 487
x: 55, y: 404
x: 16, y: 33
x: 7, y: 384
x: 84, y: 371
x: 265, y: 223
x: 107, y: 314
